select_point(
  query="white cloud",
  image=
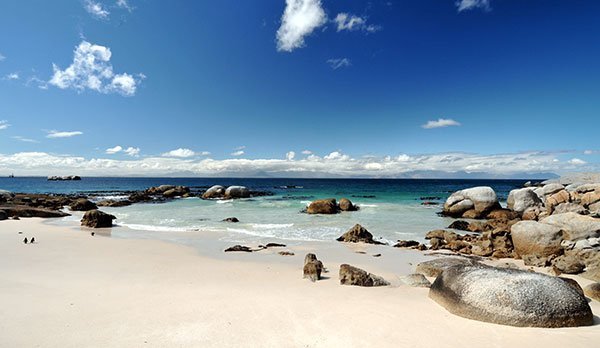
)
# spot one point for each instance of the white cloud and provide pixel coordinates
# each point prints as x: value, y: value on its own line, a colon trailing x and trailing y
x: 181, y: 152
x: 96, y: 9
x: 12, y: 76
x: 300, y: 18
x: 132, y: 151
x: 4, y: 124
x: 91, y: 69
x: 240, y: 148
x: 23, y: 139
x: 290, y: 155
x: 237, y: 153
x: 577, y: 161
x: 441, y: 122
x: 307, y: 152
x: 114, y: 150
x: 589, y: 152
x: 124, y: 4
x: 205, y: 153
x: 464, y: 5
x: 350, y: 22
x: 2, y: 57
x: 335, y: 164
x: 337, y: 63
x: 58, y: 134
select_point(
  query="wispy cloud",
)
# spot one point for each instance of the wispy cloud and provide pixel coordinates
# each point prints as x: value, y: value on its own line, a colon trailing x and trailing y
x: 91, y: 69
x: 2, y: 57
x: 132, y: 151
x: 464, y: 5
x: 12, y: 76
x: 577, y: 161
x: 23, y: 139
x: 4, y: 124
x: 334, y: 164
x: 96, y: 9
x: 237, y: 153
x: 441, y: 122
x: 124, y: 4
x: 336, y: 63
x: 590, y: 152
x: 350, y: 22
x: 58, y: 134
x: 300, y: 18
x: 181, y: 153
x: 205, y: 153
x: 307, y: 152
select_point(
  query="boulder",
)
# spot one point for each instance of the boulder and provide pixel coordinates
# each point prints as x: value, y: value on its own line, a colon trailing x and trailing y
x: 177, y: 191
x: 234, y: 192
x: 312, y: 267
x: 350, y: 275
x: 502, y: 214
x: 346, y: 205
x: 481, y: 199
x: 5, y: 196
x: 82, y: 204
x: 97, y: 219
x: 323, y: 206
x: 231, y: 219
x: 521, y: 199
x: 358, y: 234
x: 3, y: 215
x: 568, y: 264
x: 510, y: 297
x: 590, y: 197
x: 434, y: 268
x: 216, y: 191
x: 548, y: 189
x: 557, y: 198
x: 532, y: 238
x: 574, y: 226
x: 237, y: 248
x: 406, y: 244
x: 416, y: 280
x: 25, y: 211
x: 592, y: 291
x: 460, y: 225
x: 114, y: 203
x: 159, y: 190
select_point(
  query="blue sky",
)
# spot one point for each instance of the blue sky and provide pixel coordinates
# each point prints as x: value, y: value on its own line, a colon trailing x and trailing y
x: 379, y: 88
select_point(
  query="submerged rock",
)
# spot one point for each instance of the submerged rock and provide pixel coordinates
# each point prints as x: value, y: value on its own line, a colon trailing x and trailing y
x: 346, y: 205
x: 97, y: 219
x: 510, y: 297
x: 231, y: 219
x: 83, y: 204
x: 350, y: 275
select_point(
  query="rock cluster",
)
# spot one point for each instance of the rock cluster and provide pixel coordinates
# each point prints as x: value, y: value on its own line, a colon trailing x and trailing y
x: 231, y: 192
x: 330, y: 206
x: 64, y: 178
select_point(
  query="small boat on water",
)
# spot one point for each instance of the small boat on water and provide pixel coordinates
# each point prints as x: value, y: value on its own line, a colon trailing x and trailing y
x: 11, y: 176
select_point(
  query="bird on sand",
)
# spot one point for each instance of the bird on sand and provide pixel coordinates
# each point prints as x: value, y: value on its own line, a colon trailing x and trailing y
x: 25, y: 240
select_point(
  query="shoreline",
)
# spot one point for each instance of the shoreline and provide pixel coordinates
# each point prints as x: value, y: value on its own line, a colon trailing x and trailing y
x: 71, y: 290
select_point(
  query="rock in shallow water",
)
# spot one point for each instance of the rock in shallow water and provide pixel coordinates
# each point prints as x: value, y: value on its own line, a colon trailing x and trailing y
x: 510, y: 297
x: 323, y: 206
x: 97, y: 219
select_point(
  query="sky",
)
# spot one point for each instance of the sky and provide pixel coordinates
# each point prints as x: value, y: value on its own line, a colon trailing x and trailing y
x: 295, y: 88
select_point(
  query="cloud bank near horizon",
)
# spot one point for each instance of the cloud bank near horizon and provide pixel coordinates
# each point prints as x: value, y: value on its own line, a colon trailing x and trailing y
x: 335, y: 164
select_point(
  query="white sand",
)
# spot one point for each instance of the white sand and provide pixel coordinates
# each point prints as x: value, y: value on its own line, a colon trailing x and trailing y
x: 74, y: 290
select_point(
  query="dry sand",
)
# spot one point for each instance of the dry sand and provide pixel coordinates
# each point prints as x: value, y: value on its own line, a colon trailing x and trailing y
x: 74, y: 290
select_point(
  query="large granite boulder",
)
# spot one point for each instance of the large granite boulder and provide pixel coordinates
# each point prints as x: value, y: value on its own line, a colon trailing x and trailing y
x: 532, y: 238
x: 358, y: 234
x: 216, y: 191
x: 510, y: 297
x: 323, y: 206
x: 312, y: 267
x: 480, y: 199
x: 592, y: 291
x: 521, y: 199
x: 234, y: 192
x: 569, y: 208
x: 435, y: 267
x: 548, y: 189
x: 5, y: 196
x: 346, y: 205
x: 574, y: 226
x: 82, y: 204
x: 97, y: 219
x: 350, y: 275
x: 557, y: 198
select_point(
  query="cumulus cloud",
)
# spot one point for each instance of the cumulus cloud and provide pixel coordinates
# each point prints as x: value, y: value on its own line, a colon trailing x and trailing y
x: 237, y: 153
x: 335, y: 164
x: 23, y: 139
x: 132, y: 151
x: 114, y: 150
x: 205, y: 153
x: 4, y: 124
x: 577, y: 161
x: 181, y: 152
x: 464, y: 5
x: 96, y: 9
x: 337, y: 63
x: 290, y: 155
x: 441, y: 122
x: 350, y: 22
x: 300, y: 18
x: 58, y: 134
x: 307, y: 152
x: 91, y: 69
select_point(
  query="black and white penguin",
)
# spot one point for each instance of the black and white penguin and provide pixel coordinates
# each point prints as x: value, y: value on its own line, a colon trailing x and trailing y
x: 25, y: 240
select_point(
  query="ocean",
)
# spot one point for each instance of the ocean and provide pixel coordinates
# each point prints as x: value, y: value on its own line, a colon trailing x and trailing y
x: 391, y: 209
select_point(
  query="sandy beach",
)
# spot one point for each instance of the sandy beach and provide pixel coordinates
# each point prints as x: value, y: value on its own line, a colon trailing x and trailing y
x: 70, y: 289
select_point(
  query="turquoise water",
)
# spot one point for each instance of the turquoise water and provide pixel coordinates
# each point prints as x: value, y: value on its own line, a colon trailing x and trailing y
x: 390, y: 209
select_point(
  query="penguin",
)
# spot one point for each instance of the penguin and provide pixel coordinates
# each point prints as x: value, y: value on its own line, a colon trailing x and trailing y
x: 32, y: 240
x: 93, y: 233
x: 25, y: 240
